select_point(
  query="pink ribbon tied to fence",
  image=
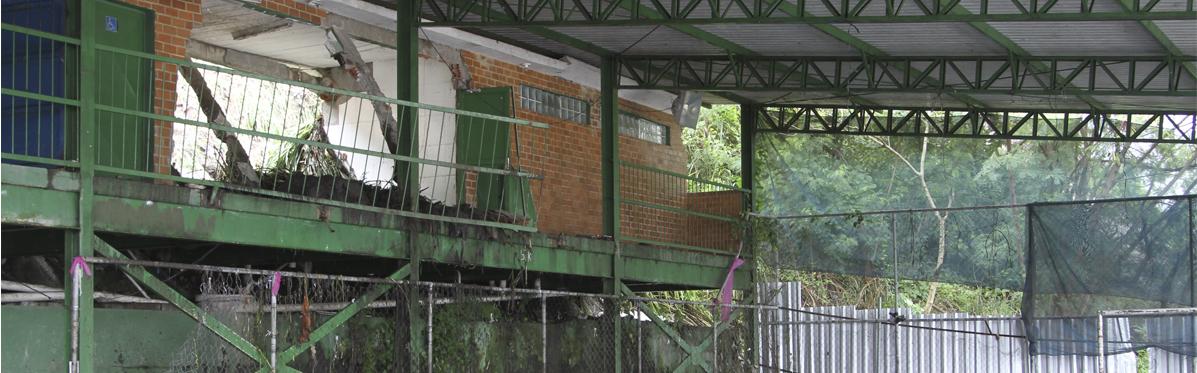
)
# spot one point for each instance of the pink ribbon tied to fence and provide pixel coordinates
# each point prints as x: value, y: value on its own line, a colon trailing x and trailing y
x: 725, y: 293
x: 79, y: 262
x: 276, y: 281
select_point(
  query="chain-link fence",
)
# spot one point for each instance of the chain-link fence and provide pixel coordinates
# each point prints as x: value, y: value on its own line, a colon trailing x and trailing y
x: 244, y: 320
x: 225, y: 319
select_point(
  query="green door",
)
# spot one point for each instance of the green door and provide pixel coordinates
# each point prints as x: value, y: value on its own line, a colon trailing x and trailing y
x: 125, y: 82
x: 484, y: 142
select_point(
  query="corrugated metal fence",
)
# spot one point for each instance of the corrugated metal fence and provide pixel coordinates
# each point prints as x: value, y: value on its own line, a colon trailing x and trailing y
x: 846, y: 339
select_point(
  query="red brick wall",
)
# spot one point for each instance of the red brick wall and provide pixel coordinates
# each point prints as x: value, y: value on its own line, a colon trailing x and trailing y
x: 173, y: 21
x: 712, y: 233
x: 569, y: 199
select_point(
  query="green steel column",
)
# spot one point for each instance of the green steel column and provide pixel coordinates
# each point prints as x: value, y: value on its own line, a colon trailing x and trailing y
x: 408, y: 63
x: 416, y: 323
x: 609, y: 123
x: 747, y: 147
x: 748, y: 118
x: 408, y: 66
x: 81, y: 243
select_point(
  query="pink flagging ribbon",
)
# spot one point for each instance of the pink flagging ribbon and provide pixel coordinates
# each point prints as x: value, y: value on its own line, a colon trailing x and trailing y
x: 725, y: 293
x: 276, y: 281
x: 80, y: 262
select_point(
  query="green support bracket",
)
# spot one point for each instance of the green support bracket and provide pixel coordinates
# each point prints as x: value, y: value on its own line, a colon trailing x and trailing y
x: 183, y: 304
x: 691, y: 351
x: 340, y: 318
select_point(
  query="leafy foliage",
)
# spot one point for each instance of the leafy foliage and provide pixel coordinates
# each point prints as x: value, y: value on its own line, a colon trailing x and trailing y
x: 714, y: 145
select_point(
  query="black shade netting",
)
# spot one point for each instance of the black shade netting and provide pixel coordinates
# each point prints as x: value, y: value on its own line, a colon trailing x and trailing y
x: 977, y: 247
x: 1088, y: 258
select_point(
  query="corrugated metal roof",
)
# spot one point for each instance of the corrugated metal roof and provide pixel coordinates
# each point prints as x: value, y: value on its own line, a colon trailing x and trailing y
x: 1181, y: 33
x: 1031, y: 102
x: 1148, y: 103
x: 1119, y: 38
x: 304, y: 44
x: 925, y: 39
x: 642, y: 40
x: 799, y: 39
x: 526, y: 37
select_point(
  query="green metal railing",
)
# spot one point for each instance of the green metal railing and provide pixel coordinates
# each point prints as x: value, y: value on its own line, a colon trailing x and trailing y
x: 189, y: 122
x: 665, y: 208
x: 40, y: 102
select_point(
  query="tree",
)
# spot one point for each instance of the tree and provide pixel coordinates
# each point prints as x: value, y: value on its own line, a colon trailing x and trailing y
x: 809, y: 174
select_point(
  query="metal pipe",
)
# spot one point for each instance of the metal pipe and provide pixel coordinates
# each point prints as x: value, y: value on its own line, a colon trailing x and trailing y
x: 715, y: 342
x: 1101, y: 342
x: 76, y: 283
x: 274, y: 332
x: 430, y: 303
x: 544, y: 331
x: 337, y: 306
x: 39, y: 293
x: 58, y: 295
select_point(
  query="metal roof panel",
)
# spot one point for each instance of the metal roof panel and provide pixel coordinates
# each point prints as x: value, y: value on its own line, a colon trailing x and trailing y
x: 1123, y: 38
x: 925, y: 39
x: 768, y: 39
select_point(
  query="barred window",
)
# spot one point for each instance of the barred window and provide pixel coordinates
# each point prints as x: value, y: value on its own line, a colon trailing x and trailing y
x: 644, y: 129
x: 554, y: 105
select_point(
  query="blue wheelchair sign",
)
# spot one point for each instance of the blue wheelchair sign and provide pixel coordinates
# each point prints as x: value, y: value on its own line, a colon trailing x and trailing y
x: 110, y: 23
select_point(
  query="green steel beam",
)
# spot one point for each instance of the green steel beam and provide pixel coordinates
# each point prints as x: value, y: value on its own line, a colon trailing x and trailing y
x: 1016, y: 50
x: 340, y: 318
x: 691, y: 351
x: 1160, y: 36
x: 183, y: 304
x: 505, y: 13
x: 715, y: 40
x: 870, y: 50
x: 706, y: 342
x: 579, y: 43
x: 1109, y: 126
x: 1005, y: 75
x: 49, y: 198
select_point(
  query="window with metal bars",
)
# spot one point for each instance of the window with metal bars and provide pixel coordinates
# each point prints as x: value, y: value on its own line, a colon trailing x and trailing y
x: 555, y: 105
